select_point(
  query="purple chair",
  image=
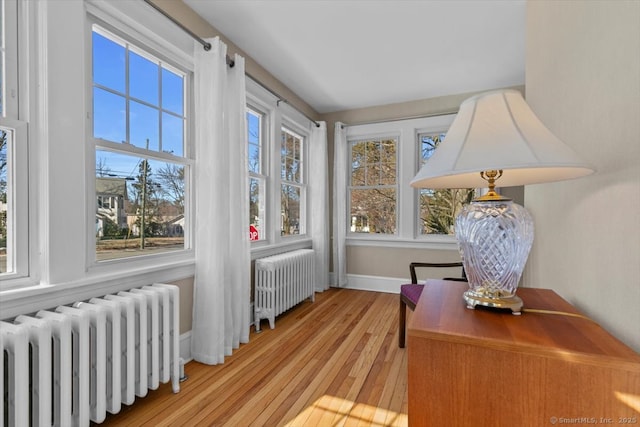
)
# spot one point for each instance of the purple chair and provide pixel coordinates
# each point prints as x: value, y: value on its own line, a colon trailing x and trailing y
x: 410, y: 293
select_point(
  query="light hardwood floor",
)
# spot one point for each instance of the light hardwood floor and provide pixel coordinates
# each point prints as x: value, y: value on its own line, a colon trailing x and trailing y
x: 334, y: 362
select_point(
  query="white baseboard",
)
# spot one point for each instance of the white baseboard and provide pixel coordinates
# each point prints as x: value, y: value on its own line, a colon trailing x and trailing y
x: 375, y: 283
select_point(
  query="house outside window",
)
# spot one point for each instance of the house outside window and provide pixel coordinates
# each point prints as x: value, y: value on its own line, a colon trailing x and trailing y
x: 140, y: 134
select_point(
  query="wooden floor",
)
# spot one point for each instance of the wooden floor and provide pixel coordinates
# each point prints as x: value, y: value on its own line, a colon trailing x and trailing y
x: 335, y: 362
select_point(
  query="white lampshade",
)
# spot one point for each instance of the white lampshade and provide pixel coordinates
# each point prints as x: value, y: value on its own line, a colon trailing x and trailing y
x: 498, y: 131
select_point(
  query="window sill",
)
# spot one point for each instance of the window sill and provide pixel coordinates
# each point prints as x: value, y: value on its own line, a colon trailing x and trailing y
x: 432, y: 242
x: 30, y: 299
x: 265, y: 250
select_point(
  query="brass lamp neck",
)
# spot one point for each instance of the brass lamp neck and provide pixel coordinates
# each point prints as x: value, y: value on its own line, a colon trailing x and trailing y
x: 491, y: 176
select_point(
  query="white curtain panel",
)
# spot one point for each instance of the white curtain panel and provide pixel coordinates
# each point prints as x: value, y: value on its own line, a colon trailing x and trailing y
x: 340, y: 153
x: 223, y: 261
x: 319, y: 202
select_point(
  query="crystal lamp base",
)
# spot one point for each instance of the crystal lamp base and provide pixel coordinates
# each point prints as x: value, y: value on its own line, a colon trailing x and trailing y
x: 494, y: 238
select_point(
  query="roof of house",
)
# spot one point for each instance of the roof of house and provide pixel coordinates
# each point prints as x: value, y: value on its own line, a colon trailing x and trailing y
x: 111, y: 186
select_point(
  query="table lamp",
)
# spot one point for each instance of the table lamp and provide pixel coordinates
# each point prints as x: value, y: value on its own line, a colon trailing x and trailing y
x: 496, y: 139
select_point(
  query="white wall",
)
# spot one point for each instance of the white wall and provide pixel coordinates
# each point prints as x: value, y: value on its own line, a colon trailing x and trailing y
x: 583, y: 81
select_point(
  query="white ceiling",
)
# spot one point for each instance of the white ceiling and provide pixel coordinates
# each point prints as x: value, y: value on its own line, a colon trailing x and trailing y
x: 345, y: 54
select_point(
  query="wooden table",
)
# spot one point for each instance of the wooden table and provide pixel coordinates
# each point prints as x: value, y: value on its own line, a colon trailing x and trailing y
x: 482, y: 367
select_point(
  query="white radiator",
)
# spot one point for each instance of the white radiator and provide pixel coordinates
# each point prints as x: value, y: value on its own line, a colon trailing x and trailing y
x: 282, y: 281
x: 71, y: 365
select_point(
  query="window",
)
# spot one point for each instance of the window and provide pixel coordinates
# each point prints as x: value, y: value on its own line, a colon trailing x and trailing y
x: 373, y: 186
x: 277, y: 137
x: 292, y: 194
x: 140, y: 127
x: 14, y: 166
x: 382, y: 160
x: 438, y: 207
x: 257, y: 177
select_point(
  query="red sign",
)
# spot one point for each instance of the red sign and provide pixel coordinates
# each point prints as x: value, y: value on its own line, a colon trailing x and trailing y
x: 253, y: 233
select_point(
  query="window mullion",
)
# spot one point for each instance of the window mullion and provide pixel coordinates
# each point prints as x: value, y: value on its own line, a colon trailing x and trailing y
x: 160, y: 108
x: 127, y: 96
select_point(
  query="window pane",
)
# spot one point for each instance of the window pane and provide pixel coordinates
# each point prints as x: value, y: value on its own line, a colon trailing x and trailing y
x: 172, y: 92
x: 254, y: 139
x: 143, y: 126
x: 372, y: 192
x: 134, y: 194
x: 2, y: 77
x: 373, y: 163
x: 257, y: 181
x: 172, y: 134
x: 6, y: 247
x: 109, y: 116
x: 108, y: 63
x: 143, y: 79
x: 256, y: 209
x: 428, y: 144
x: 373, y: 210
x: 291, y: 163
x: 387, y: 173
x: 290, y: 210
x: 388, y: 151
x: 438, y: 208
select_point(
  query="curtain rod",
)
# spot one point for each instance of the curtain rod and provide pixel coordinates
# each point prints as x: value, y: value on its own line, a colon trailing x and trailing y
x: 230, y: 62
x: 205, y: 45
x: 281, y: 99
x: 420, y: 116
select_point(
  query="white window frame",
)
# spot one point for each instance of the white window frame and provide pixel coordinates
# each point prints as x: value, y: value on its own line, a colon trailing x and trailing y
x: 17, y: 200
x: 20, y: 225
x: 350, y: 186
x: 144, y: 42
x: 294, y: 129
x: 263, y: 176
x: 277, y: 115
x: 408, y: 163
x: 61, y: 198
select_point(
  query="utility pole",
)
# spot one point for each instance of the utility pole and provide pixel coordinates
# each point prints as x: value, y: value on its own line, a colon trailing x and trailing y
x: 144, y: 199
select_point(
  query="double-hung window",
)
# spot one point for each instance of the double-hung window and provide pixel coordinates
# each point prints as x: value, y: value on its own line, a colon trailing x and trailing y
x: 277, y: 138
x: 383, y: 158
x: 373, y: 186
x: 257, y: 173
x: 140, y: 133
x: 14, y: 166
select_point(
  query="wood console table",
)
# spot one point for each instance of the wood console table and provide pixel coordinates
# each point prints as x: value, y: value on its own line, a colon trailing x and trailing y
x: 487, y: 368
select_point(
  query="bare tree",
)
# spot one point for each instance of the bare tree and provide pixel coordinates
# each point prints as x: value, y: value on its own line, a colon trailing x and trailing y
x: 171, y: 178
x: 102, y: 169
